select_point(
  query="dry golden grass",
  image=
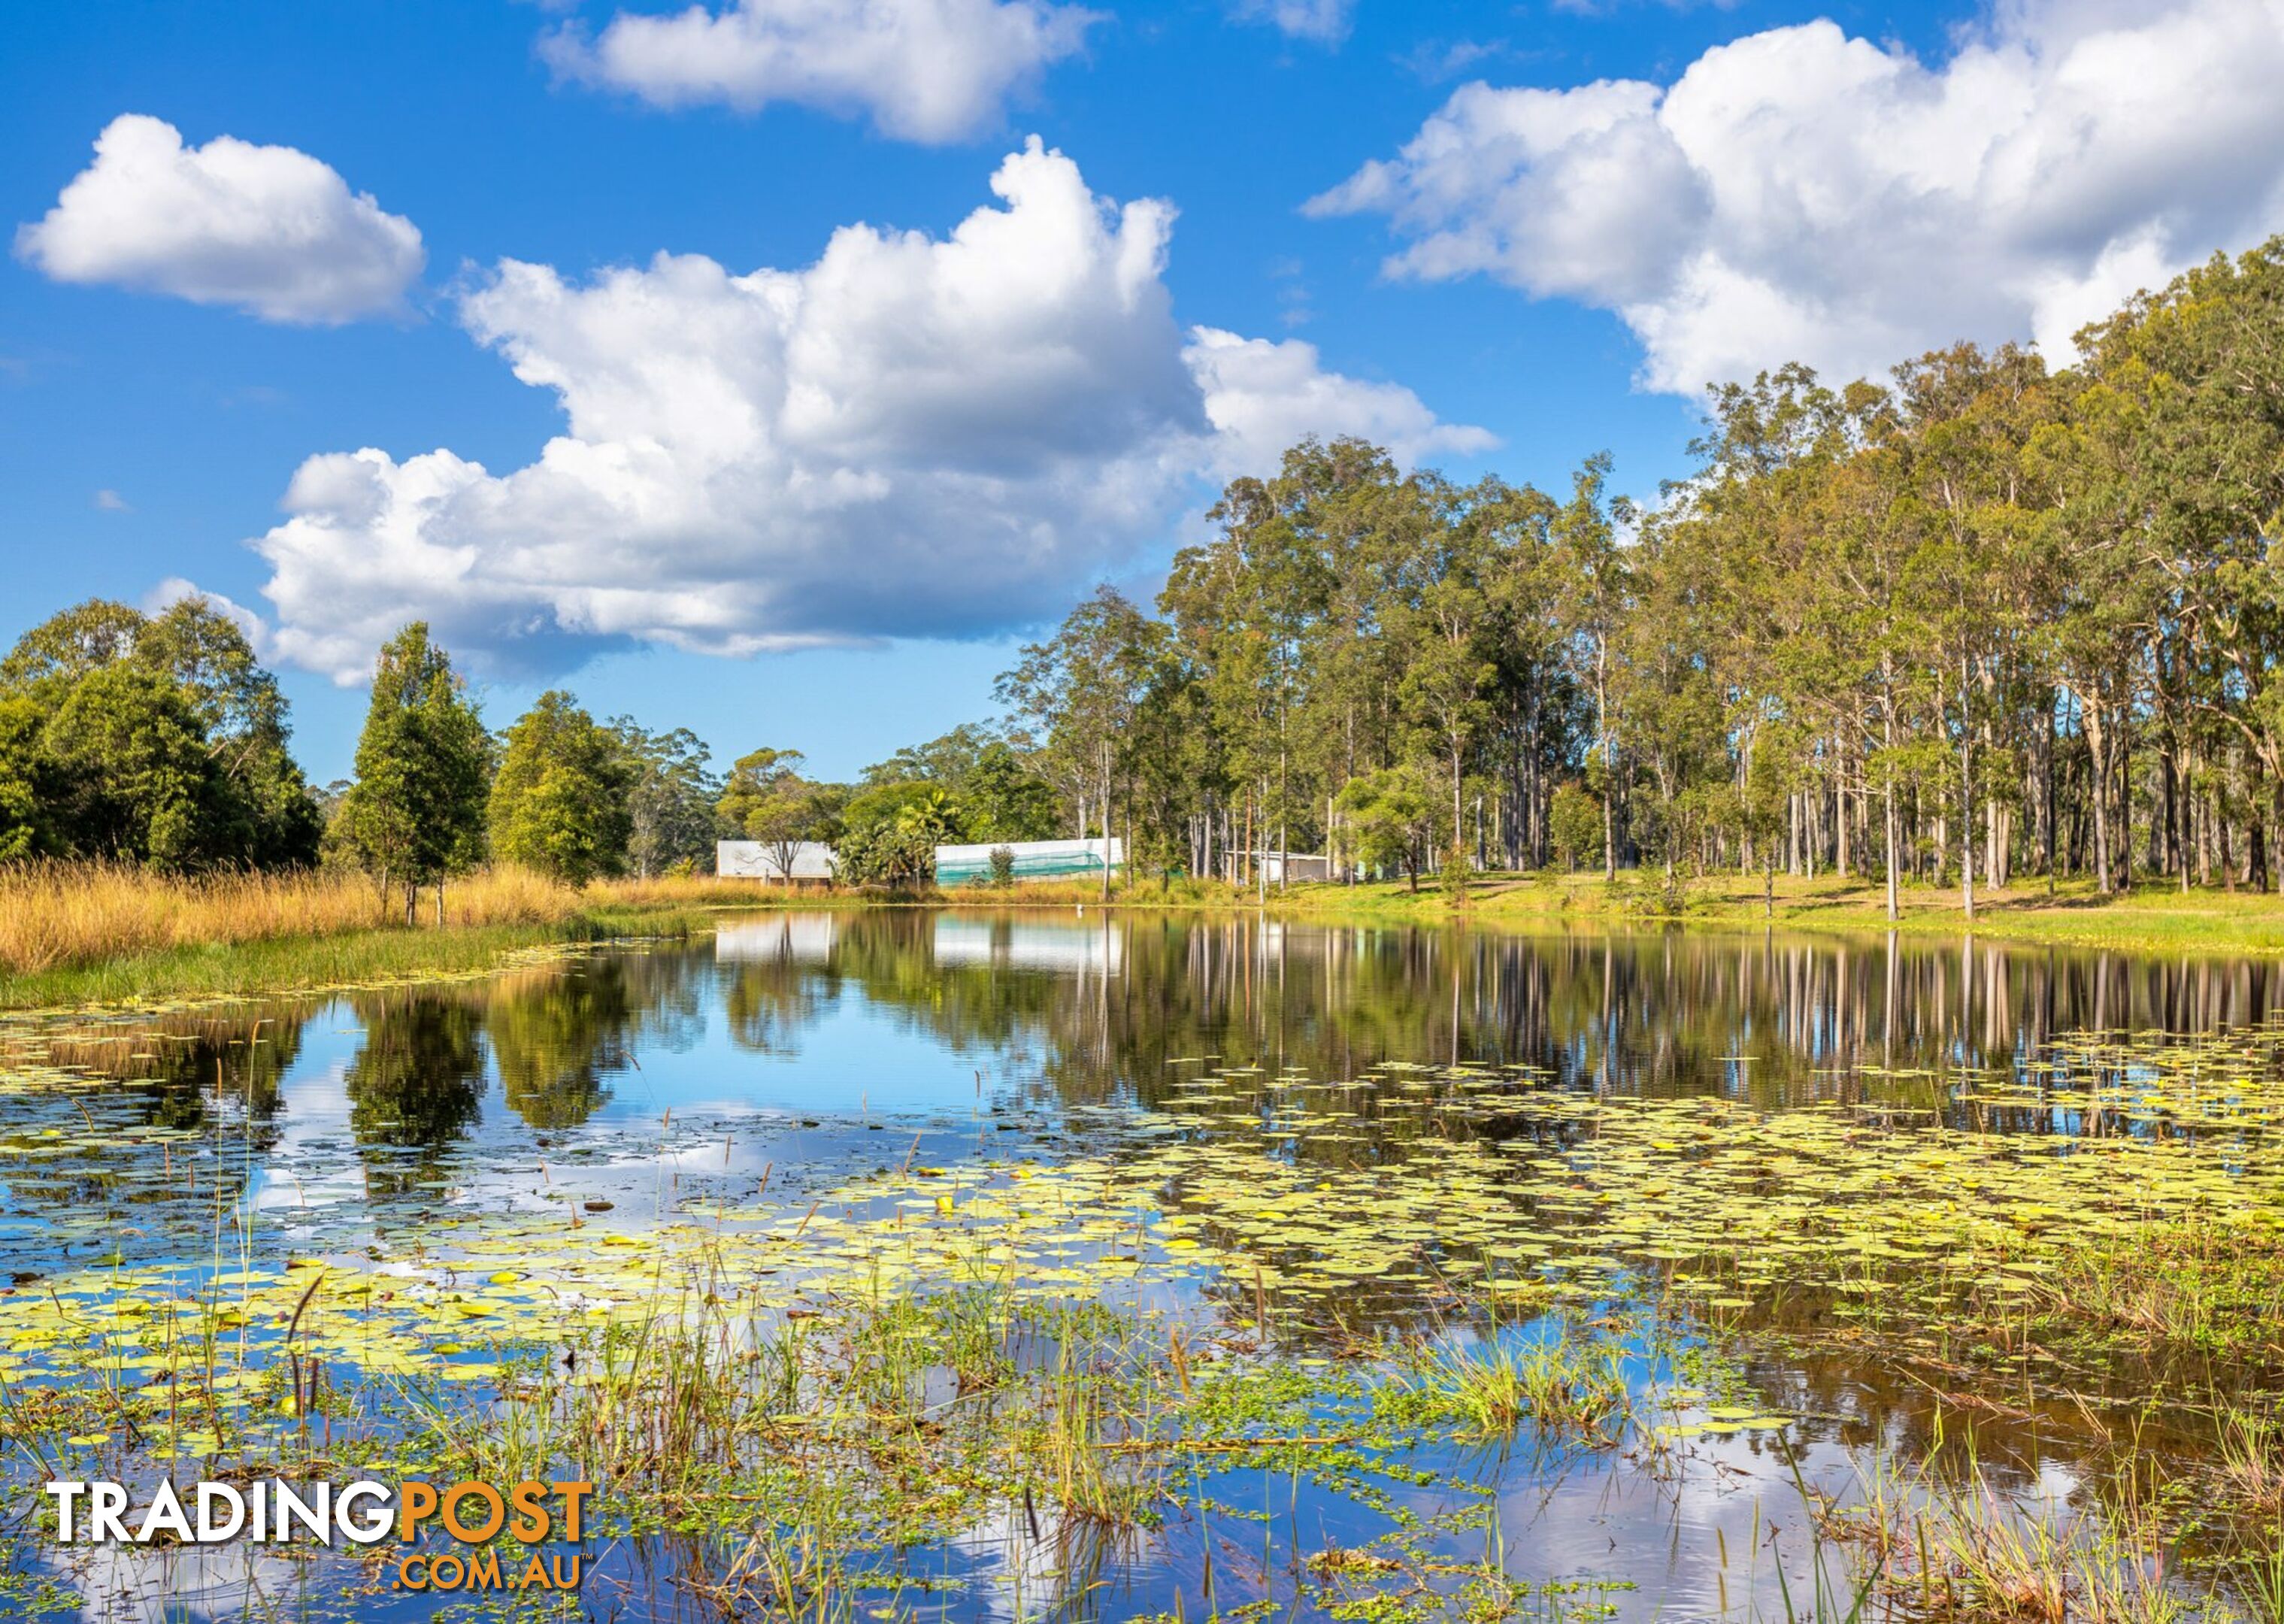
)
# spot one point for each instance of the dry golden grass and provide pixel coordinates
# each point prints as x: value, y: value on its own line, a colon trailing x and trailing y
x: 56, y: 914
x: 60, y: 914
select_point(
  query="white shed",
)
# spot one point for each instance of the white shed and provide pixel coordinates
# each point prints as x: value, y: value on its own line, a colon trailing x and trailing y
x: 760, y: 860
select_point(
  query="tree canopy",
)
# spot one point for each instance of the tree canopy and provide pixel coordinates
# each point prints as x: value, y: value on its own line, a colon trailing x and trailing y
x: 560, y: 800
x: 416, y: 812
x: 1979, y: 618
x: 155, y: 740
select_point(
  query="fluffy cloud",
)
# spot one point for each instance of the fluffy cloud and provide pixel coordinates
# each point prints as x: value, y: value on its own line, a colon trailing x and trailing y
x: 1327, y: 20
x: 924, y: 70
x: 1263, y: 396
x: 265, y: 229
x: 1799, y: 193
x: 913, y: 436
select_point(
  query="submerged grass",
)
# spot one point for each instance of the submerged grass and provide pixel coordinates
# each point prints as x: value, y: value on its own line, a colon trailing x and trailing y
x: 847, y: 1458
x: 1953, y: 1546
x: 1491, y: 1387
x: 2189, y: 1288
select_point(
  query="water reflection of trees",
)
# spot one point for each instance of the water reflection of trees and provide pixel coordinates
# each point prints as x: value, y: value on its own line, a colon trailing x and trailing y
x: 554, y: 1035
x: 195, y: 1070
x: 1769, y: 1020
x: 415, y: 1087
x: 1091, y: 1009
x: 555, y: 1043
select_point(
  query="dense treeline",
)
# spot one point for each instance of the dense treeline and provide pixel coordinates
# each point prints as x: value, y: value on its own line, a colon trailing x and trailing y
x: 1985, y: 620
x: 160, y: 742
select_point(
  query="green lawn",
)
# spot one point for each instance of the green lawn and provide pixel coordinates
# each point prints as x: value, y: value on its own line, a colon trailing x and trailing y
x: 2151, y: 917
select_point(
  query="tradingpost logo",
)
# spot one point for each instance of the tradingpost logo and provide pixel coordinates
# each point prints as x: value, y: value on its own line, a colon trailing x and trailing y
x: 360, y: 1515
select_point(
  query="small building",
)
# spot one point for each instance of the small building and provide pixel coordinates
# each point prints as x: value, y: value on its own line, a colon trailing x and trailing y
x: 960, y: 865
x: 1295, y: 868
x: 812, y: 861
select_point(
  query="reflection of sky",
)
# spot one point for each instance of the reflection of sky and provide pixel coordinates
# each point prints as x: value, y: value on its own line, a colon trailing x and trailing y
x: 312, y: 1162
x: 1689, y: 1541
x: 856, y: 1058
x: 184, y: 1585
x: 696, y: 1114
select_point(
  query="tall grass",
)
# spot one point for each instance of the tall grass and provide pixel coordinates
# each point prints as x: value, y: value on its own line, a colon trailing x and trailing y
x: 1486, y: 1388
x: 97, y: 932
x: 59, y: 914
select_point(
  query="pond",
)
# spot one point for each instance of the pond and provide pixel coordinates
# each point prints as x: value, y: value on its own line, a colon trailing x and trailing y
x: 980, y: 1265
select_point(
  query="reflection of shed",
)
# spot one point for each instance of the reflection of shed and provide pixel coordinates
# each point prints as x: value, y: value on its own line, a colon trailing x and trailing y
x: 1028, y: 944
x: 760, y: 859
x: 960, y: 865
x: 782, y: 939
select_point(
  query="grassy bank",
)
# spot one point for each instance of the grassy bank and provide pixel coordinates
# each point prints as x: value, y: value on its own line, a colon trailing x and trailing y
x: 80, y: 934
x: 2154, y: 918
x: 77, y: 934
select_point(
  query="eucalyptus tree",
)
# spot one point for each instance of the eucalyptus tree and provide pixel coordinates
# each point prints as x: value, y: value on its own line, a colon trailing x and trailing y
x: 2102, y: 617
x: 1446, y: 620
x: 1596, y: 595
x: 1971, y: 416
x: 1533, y: 696
x: 670, y: 797
x: 1077, y: 698
x: 1870, y: 527
x: 767, y: 799
x: 1246, y: 609
x: 2215, y: 337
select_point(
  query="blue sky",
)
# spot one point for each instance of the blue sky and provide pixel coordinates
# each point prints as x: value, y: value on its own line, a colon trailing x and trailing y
x: 1632, y: 198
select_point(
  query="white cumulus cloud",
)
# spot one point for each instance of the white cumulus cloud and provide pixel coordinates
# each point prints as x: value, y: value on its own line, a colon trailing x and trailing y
x: 1263, y: 396
x: 265, y: 229
x: 913, y: 436
x: 924, y: 70
x: 1801, y: 194
x: 1323, y: 20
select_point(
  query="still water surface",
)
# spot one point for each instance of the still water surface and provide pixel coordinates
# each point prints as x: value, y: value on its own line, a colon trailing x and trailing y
x: 796, y: 1050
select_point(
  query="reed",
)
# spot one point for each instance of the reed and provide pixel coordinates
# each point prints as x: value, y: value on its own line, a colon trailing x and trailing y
x: 1488, y: 1387
x: 1950, y: 1546
x: 2197, y: 1286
